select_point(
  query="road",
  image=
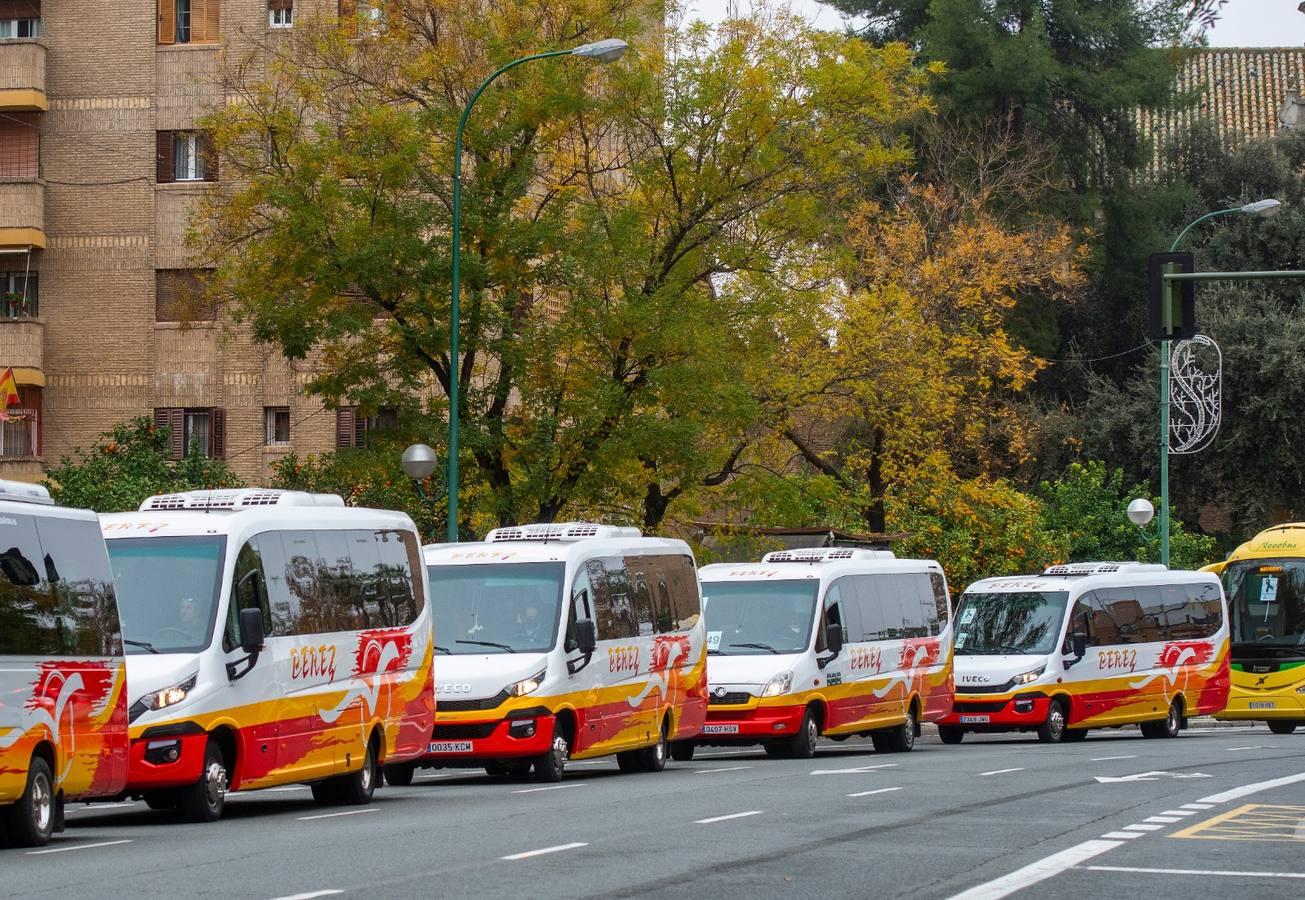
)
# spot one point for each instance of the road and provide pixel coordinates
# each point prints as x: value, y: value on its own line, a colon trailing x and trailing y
x: 978, y: 821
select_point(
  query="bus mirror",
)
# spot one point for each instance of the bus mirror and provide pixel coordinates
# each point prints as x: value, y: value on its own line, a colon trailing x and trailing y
x: 586, y: 636
x: 1078, y: 640
x: 834, y: 638
x: 251, y: 630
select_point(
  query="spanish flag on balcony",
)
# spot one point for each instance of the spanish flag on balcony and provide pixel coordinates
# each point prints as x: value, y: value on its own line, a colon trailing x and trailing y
x: 8, y: 392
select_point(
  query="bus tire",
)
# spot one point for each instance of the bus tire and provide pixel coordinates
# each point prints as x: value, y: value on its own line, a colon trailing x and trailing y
x: 1074, y: 735
x: 774, y: 748
x: 653, y: 759
x: 30, y: 819
x: 899, y: 738
x: 1052, y: 731
x: 400, y: 774
x: 803, y: 744
x: 1282, y: 727
x: 550, y: 766
x: 1169, y: 726
x: 161, y: 800
x: 357, y: 788
x: 682, y: 751
x: 203, y: 800
x: 628, y: 761
x: 950, y: 734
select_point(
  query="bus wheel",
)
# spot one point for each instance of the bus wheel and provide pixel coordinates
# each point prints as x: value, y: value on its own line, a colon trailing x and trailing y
x: 774, y: 748
x: 203, y: 800
x: 950, y: 734
x: 550, y: 766
x: 30, y: 820
x: 400, y: 774
x: 356, y: 788
x: 653, y: 759
x: 1074, y: 735
x: 1167, y: 727
x: 803, y: 744
x: 682, y: 751
x: 628, y: 761
x: 1052, y: 731
x: 898, y: 739
x: 161, y: 800
x: 1282, y: 727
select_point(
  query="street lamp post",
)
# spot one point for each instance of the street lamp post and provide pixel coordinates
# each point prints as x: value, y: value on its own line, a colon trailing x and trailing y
x: 606, y: 51
x: 1263, y: 208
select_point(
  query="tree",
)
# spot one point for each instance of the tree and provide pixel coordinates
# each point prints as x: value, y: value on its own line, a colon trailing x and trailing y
x: 606, y: 349
x: 129, y: 464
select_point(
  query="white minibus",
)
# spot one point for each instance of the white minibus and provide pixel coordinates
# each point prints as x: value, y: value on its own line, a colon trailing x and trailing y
x: 63, y: 696
x: 564, y: 641
x: 835, y: 641
x: 272, y: 637
x: 1089, y: 645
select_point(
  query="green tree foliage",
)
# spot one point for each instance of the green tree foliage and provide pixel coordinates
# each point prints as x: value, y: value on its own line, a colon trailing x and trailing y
x: 128, y: 464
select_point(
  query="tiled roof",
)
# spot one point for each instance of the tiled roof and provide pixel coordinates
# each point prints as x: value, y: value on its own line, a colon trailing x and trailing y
x: 1240, y: 90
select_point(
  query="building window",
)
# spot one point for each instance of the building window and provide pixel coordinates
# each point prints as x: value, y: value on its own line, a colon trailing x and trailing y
x: 201, y: 429
x: 185, y: 156
x: 361, y: 17
x: 20, y: 429
x: 18, y: 295
x: 352, y: 429
x: 277, y: 420
x: 20, y: 18
x: 20, y: 146
x: 189, y: 21
x: 20, y: 28
x: 179, y: 296
x: 280, y: 13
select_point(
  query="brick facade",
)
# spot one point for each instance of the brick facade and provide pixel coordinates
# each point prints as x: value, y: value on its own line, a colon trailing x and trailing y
x: 101, y: 228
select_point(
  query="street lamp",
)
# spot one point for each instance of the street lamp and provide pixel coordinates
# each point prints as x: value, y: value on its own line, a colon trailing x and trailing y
x: 418, y: 462
x: 1140, y: 512
x: 604, y: 51
x: 1264, y: 209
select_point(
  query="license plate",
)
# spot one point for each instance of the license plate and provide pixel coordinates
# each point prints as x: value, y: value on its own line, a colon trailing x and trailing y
x: 720, y: 729
x: 449, y: 747
x: 975, y: 720
x: 1264, y: 704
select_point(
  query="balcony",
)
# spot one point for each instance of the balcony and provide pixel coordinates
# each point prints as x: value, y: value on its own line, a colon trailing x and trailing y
x: 22, y: 214
x: 22, y: 76
x: 22, y: 345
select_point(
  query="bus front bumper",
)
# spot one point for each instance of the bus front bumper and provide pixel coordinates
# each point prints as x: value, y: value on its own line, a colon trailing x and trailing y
x: 166, y: 758
x: 1245, y: 707
x: 1023, y: 711
x: 748, y: 726
x: 527, y: 732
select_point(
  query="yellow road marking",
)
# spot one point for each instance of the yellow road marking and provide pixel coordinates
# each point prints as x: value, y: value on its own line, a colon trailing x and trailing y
x: 1252, y: 822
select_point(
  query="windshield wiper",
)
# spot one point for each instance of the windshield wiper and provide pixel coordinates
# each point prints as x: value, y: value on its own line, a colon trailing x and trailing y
x: 442, y: 649
x: 507, y: 647
x: 142, y: 644
x: 758, y: 647
x: 713, y: 653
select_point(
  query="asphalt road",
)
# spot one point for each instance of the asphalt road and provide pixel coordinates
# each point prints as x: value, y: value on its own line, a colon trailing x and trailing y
x: 979, y: 821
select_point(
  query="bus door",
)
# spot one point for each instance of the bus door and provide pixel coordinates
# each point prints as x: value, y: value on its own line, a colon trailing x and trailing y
x: 617, y: 661
x: 846, y: 704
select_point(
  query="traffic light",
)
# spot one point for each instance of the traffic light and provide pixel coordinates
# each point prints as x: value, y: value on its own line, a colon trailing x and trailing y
x: 1173, y: 303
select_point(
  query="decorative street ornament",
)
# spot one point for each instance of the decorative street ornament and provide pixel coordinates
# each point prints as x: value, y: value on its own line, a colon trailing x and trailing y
x: 1195, y: 394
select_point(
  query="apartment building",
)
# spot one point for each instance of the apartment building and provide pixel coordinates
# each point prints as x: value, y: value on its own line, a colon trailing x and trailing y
x: 100, y: 164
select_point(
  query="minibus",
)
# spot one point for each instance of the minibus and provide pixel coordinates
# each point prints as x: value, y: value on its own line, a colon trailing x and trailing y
x: 1089, y: 645
x: 1264, y: 580
x: 564, y: 641
x: 63, y: 700
x: 830, y: 641
x: 272, y: 637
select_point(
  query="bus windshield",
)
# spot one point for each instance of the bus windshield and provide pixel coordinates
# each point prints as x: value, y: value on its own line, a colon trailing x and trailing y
x: 496, y: 608
x: 1267, y: 598
x: 755, y: 617
x: 167, y: 591
x: 1015, y: 622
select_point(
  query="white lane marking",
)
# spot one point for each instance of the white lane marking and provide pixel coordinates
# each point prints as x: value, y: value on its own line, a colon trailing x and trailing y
x: 78, y: 847
x: 1122, y: 835
x: 1233, y: 749
x: 880, y: 791
x: 999, y: 772
x: 1108, y: 758
x: 742, y: 815
x: 1143, y: 827
x: 349, y: 812
x: 310, y: 895
x: 1197, y: 807
x: 1245, y: 790
x: 98, y: 806
x: 853, y: 771
x: 1167, y: 820
x: 1148, y: 776
x: 556, y: 787
x: 1194, y: 872
x: 1179, y: 812
x: 558, y: 849
x: 726, y: 769
x: 1045, y: 868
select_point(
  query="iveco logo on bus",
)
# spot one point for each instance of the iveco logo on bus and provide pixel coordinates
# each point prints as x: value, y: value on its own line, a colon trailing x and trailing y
x: 463, y: 688
x: 972, y: 679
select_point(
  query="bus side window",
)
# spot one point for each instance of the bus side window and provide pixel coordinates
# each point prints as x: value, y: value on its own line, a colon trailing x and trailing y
x: 614, y: 600
x: 832, y: 617
x: 1080, y: 620
x: 248, y: 591
x: 577, y: 609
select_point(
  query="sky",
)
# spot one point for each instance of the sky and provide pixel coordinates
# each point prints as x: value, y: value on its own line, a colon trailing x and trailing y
x: 1243, y: 23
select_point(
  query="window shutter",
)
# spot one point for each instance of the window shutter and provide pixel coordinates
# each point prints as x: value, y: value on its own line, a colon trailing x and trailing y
x: 20, y: 9
x: 280, y: 4
x: 164, y: 150
x: 348, y: 17
x: 359, y: 430
x: 217, y: 433
x: 208, y: 149
x: 211, y: 15
x: 167, y: 22
x: 174, y: 419
x: 346, y: 420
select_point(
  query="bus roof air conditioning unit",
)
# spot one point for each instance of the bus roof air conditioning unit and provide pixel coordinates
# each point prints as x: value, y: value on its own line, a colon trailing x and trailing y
x: 249, y: 498
x: 1073, y: 570
x: 559, y: 531
x: 826, y: 554
x: 24, y: 492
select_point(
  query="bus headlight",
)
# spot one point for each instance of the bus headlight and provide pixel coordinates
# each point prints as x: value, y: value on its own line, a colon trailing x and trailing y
x: 527, y: 685
x: 169, y: 696
x: 778, y: 685
x: 1029, y: 677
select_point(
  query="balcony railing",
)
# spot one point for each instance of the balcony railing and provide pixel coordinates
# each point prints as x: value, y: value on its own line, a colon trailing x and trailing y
x: 22, y: 214
x: 22, y: 75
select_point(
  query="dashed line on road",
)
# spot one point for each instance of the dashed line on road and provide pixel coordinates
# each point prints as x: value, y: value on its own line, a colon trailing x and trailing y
x: 855, y: 770
x: 1122, y: 835
x: 1167, y: 820
x: 1233, y: 749
x: 555, y: 787
x: 1197, y: 807
x: 1047, y: 867
x: 1108, y: 758
x: 999, y: 772
x: 1247, y: 790
x: 1142, y: 827
x: 738, y: 815
x: 311, y: 894
x: 1216, y: 872
x: 725, y: 769
x: 879, y: 791
x: 1179, y: 812
x: 336, y: 815
x: 543, y: 850
x: 77, y: 847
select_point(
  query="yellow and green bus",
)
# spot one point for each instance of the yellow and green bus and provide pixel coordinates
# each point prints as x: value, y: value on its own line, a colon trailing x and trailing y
x: 1264, y: 579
